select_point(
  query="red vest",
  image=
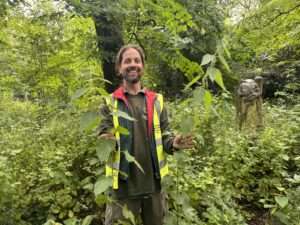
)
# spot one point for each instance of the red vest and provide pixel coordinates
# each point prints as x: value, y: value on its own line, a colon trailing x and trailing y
x: 150, y: 98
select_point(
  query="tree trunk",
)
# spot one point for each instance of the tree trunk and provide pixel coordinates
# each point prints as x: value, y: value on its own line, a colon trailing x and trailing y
x: 109, y: 39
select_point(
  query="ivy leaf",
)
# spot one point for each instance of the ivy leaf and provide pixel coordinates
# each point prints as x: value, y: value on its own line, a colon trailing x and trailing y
x: 102, y: 184
x: 207, y: 58
x: 282, y: 201
x: 130, y: 158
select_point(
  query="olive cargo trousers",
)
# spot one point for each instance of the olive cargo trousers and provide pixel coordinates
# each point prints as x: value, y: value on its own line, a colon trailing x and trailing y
x: 150, y: 208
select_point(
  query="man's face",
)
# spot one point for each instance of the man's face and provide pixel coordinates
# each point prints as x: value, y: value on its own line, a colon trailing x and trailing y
x: 131, y: 67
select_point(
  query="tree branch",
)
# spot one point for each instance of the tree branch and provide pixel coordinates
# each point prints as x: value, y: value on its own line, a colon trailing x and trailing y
x: 281, y: 14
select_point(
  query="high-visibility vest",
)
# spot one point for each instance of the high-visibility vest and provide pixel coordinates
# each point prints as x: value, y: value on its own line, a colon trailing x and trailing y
x: 112, y: 167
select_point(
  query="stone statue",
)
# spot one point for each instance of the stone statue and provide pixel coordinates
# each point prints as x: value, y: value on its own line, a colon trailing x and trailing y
x: 249, y: 103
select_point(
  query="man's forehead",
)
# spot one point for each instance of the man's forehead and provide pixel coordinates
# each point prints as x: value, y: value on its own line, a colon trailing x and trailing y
x: 131, y: 53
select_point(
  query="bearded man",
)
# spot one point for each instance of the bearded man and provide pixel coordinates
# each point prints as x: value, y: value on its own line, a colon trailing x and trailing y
x: 148, y: 141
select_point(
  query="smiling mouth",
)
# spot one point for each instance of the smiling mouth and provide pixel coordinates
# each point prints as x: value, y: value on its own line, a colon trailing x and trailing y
x: 133, y: 69
x: 133, y: 72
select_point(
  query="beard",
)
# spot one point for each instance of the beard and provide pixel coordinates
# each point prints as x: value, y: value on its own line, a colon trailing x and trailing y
x: 132, y: 79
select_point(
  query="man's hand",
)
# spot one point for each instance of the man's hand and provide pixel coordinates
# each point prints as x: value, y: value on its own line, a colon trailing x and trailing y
x: 183, y: 142
x: 108, y: 136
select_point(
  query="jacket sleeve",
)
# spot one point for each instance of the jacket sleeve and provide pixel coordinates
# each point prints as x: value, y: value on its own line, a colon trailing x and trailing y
x: 167, y: 135
x: 106, y: 123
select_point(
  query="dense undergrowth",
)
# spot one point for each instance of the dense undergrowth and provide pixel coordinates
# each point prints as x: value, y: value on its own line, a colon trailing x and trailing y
x: 50, y: 171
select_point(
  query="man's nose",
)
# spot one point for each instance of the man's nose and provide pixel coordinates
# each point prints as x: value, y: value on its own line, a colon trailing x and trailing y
x: 133, y: 64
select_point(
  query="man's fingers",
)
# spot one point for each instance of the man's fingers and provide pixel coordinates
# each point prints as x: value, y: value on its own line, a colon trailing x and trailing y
x: 188, y: 146
x: 108, y: 136
x: 188, y: 139
x: 184, y: 141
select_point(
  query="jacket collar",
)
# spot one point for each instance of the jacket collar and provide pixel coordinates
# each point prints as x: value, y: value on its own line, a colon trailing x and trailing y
x: 120, y: 93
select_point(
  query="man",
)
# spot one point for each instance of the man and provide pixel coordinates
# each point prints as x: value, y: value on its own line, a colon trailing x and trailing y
x: 148, y: 139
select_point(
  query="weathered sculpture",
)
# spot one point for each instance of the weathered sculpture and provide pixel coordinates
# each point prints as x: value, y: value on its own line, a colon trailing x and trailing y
x: 249, y: 103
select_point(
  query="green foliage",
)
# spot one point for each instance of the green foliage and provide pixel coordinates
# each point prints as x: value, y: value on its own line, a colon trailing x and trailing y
x: 51, y: 162
x: 230, y: 176
x: 48, y: 53
x: 266, y: 43
x: 52, y: 165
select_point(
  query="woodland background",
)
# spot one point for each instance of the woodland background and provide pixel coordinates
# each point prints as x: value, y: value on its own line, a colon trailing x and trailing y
x: 56, y: 65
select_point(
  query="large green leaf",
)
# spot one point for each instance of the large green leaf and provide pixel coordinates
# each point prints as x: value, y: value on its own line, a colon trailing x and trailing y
x: 71, y: 221
x: 102, y: 184
x: 207, y: 99
x: 207, y: 58
x: 282, y: 201
x: 193, y: 81
x: 128, y: 214
x: 104, y: 148
x: 122, y: 130
x: 283, y: 218
x: 216, y: 75
x: 87, y: 220
x: 187, y: 124
x: 224, y: 62
x: 102, y: 199
x: 89, y: 120
x: 130, y: 158
x: 124, y: 115
x: 219, y: 80
x: 198, y: 94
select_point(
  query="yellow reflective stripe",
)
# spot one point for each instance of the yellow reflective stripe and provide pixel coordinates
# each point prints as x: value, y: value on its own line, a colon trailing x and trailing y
x: 114, y: 104
x: 159, y: 97
x: 116, y: 121
x: 164, y: 171
x: 163, y: 165
x: 115, y: 179
x: 109, y: 168
x: 114, y: 161
x: 160, y: 152
x: 112, y: 168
